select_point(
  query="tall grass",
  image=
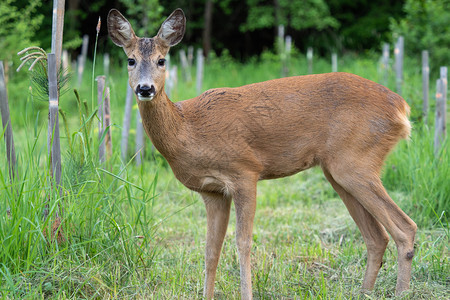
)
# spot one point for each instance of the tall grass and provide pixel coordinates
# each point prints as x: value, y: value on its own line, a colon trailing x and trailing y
x: 423, y: 175
x: 135, y: 232
x: 106, y: 218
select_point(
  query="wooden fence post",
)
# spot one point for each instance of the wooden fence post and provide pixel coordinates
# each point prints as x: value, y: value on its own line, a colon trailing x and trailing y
x: 185, y: 66
x: 440, y: 121
x: 107, y: 122
x: 280, y: 39
x: 57, y: 30
x: 443, y: 76
x: 168, y: 83
x: 171, y: 76
x: 65, y: 60
x: 309, y: 56
x: 6, y: 122
x: 279, y: 44
x: 425, y: 84
x: 334, y: 62
x: 385, y: 63
x: 200, y: 59
x: 399, y: 50
x: 82, y: 58
x: 100, y: 113
x: 139, y: 139
x: 106, y: 62
x: 53, y: 67
x: 286, y: 57
x: 441, y: 110
x: 126, y: 122
x: 53, y: 140
x: 171, y: 79
x: 190, y: 55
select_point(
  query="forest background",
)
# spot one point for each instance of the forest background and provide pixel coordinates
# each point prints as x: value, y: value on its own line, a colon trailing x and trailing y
x: 133, y: 231
x: 243, y: 29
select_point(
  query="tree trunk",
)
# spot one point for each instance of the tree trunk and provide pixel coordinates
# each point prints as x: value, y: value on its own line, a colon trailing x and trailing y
x: 277, y: 12
x: 207, y: 28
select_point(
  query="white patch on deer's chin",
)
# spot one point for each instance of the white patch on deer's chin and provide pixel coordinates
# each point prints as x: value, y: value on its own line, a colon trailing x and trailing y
x: 141, y: 98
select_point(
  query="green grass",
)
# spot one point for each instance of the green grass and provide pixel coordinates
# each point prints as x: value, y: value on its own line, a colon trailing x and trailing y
x: 423, y: 175
x: 136, y: 232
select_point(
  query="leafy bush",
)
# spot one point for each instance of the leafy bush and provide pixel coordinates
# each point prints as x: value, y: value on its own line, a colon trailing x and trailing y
x: 296, y: 14
x: 17, y: 27
x: 425, y: 27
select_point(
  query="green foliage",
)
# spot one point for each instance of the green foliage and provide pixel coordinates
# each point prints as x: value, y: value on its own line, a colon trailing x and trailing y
x: 39, y: 81
x: 145, y: 15
x: 136, y: 232
x: 425, y: 27
x: 423, y: 175
x: 363, y: 24
x: 17, y: 27
x: 106, y: 218
x: 296, y: 14
x: 104, y: 223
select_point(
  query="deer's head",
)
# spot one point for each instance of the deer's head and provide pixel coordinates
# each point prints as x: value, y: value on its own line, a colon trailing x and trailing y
x: 146, y: 56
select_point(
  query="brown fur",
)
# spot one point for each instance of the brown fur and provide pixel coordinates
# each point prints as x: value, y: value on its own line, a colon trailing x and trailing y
x: 225, y: 140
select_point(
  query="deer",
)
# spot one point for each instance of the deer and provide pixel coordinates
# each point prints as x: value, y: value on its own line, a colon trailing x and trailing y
x: 222, y: 142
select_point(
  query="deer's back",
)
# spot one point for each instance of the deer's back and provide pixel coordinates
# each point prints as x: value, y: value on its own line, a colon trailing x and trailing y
x: 286, y: 125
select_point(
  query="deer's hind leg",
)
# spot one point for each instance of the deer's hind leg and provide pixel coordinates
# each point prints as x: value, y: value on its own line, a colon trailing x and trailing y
x: 374, y: 234
x: 363, y: 184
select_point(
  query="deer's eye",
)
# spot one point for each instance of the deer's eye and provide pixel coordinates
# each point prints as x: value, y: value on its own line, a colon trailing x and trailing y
x: 161, y: 62
x: 131, y: 62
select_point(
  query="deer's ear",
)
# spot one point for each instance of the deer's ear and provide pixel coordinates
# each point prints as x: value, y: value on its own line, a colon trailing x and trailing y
x: 172, y: 29
x: 119, y: 29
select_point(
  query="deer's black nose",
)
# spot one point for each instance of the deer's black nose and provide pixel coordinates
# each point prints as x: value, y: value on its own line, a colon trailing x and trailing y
x: 145, y: 91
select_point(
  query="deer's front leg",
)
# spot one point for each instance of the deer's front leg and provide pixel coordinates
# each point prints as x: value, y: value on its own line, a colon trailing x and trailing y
x: 245, y: 204
x: 217, y: 214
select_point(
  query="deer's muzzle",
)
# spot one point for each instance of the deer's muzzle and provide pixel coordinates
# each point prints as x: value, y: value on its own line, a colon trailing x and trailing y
x: 145, y: 92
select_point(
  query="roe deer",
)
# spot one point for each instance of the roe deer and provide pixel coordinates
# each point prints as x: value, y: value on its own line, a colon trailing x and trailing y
x: 225, y: 140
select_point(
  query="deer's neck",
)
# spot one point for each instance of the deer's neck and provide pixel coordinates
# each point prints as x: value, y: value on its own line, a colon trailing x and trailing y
x: 163, y: 122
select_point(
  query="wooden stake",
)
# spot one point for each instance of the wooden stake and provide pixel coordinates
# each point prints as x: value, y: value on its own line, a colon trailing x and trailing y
x: 65, y: 60
x: 6, y: 122
x: 169, y: 83
x: 53, y: 140
x: 57, y: 30
x: 440, y: 121
x: 425, y: 84
x: 82, y: 58
x: 100, y: 113
x: 185, y: 66
x: 286, y: 58
x: 139, y: 138
x: 126, y: 122
x: 399, y: 50
x: 280, y: 40
x: 190, y: 55
x: 199, y: 70
x: 441, y: 110
x: 443, y: 76
x: 171, y: 79
x: 106, y: 62
x: 309, y: 56
x: 334, y: 62
x: 107, y: 111
x: 54, y: 65
x: 385, y: 63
